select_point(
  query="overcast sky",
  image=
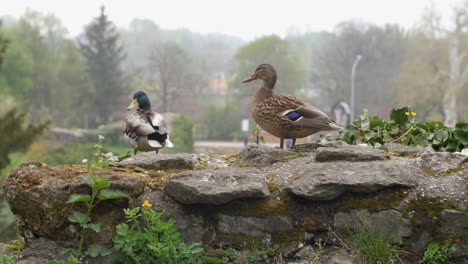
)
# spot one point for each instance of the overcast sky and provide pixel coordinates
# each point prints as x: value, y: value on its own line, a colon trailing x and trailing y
x: 247, y: 19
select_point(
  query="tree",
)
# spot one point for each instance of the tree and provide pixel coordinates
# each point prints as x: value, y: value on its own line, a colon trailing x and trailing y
x: 44, y: 72
x: 435, y: 70
x: 382, y: 50
x: 104, y: 54
x: 272, y: 50
x: 171, y: 65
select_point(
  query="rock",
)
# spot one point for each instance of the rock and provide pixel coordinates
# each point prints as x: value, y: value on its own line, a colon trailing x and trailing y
x: 217, y: 186
x: 341, y: 258
x: 350, y: 153
x: 150, y: 160
x: 455, y: 224
x: 37, y: 195
x: 42, y: 251
x: 390, y: 222
x: 262, y: 156
x: 441, y: 163
x: 312, y: 146
x: 253, y: 226
x: 305, y: 253
x: 326, y: 181
x: 400, y: 150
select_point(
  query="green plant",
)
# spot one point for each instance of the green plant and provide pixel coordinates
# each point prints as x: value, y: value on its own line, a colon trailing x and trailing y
x: 438, y: 254
x: 403, y: 128
x: 257, y: 132
x: 147, y: 238
x: 101, y: 160
x: 182, y: 136
x: 258, y: 251
x: 7, y: 260
x: 99, y: 192
x: 374, y: 245
x: 317, y: 255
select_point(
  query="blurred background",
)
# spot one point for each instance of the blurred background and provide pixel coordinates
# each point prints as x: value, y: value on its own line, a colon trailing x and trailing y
x: 68, y: 70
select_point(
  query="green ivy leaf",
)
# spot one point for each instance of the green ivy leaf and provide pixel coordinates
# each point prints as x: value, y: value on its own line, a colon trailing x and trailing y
x: 461, y: 135
x: 78, y: 217
x: 95, y: 227
x: 399, y: 116
x: 109, y: 194
x: 74, y: 198
x: 348, y: 134
x: 462, y: 126
x: 95, y: 250
x: 375, y: 121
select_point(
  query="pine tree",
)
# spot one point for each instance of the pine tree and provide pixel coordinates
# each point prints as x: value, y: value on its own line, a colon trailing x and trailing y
x: 104, y: 54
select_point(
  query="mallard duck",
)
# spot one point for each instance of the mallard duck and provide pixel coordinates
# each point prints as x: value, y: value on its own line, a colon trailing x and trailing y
x: 145, y: 129
x: 285, y: 116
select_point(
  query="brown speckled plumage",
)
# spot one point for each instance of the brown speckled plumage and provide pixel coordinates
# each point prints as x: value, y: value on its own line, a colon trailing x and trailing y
x: 268, y: 110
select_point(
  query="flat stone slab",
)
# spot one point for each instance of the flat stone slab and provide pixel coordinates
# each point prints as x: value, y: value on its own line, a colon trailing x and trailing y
x: 327, y: 181
x: 350, y: 153
x: 217, y: 186
x: 262, y: 156
x: 442, y: 163
x: 254, y: 226
x: 151, y: 160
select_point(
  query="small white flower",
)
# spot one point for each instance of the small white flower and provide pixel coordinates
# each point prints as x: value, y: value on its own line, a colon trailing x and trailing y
x: 101, y: 137
x: 84, y: 161
x: 109, y: 155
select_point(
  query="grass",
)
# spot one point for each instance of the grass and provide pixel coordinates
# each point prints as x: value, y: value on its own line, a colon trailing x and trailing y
x: 374, y: 246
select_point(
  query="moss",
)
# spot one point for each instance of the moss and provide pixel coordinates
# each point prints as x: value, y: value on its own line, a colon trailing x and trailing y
x: 424, y: 213
x: 235, y: 160
x: 286, y: 237
x: 16, y: 245
x: 159, y: 178
x: 290, y: 157
x: 273, y: 187
x: 451, y: 171
x: 384, y: 200
x: 261, y: 208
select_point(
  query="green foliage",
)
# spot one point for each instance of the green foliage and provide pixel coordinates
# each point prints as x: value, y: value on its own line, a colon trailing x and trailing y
x: 273, y: 50
x: 16, y: 133
x: 257, y: 252
x: 373, y: 245
x: 44, y: 72
x: 104, y: 54
x: 181, y: 135
x: 7, y: 260
x: 438, y: 254
x: 101, y: 160
x: 147, y: 238
x: 403, y: 128
x: 3, y: 44
x: 99, y: 192
x: 222, y: 118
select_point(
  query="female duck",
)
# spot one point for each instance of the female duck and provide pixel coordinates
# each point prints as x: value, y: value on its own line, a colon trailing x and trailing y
x: 145, y: 129
x: 285, y: 116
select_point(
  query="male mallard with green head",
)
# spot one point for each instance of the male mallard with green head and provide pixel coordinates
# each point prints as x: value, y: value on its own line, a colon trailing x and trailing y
x: 285, y: 116
x: 145, y: 129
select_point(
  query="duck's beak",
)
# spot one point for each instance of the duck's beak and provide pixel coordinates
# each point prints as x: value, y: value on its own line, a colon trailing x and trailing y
x: 251, y: 78
x: 133, y: 105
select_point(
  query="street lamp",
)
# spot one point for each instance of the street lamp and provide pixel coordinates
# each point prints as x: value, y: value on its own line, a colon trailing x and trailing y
x: 353, y: 73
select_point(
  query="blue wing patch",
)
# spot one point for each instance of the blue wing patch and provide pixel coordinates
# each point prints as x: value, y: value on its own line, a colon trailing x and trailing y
x: 293, y: 116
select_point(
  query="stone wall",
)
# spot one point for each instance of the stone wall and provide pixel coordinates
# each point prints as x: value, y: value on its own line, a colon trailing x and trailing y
x: 310, y: 193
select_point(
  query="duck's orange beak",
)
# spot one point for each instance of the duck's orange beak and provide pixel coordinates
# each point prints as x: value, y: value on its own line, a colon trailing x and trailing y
x: 251, y: 78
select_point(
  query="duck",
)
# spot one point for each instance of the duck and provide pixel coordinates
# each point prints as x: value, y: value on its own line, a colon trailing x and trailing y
x: 145, y: 130
x: 284, y: 116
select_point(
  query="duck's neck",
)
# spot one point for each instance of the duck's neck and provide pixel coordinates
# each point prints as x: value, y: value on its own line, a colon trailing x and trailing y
x: 262, y: 94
